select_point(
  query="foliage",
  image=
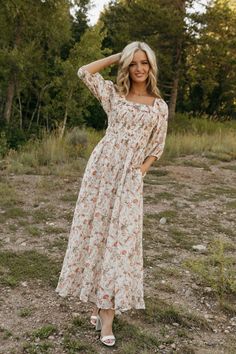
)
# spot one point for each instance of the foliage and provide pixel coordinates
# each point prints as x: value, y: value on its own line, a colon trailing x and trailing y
x: 210, y: 78
x: 43, y: 43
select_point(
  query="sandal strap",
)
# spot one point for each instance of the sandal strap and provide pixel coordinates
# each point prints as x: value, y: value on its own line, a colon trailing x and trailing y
x: 108, y: 337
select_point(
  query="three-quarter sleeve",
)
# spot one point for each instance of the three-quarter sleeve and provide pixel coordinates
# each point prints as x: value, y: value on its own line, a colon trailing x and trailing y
x: 102, y: 89
x: 156, y: 142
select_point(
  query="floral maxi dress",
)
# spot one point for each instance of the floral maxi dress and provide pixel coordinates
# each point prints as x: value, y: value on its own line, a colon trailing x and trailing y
x: 103, y: 263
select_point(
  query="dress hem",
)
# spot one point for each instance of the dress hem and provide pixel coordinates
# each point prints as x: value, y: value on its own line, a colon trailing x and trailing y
x: 118, y: 310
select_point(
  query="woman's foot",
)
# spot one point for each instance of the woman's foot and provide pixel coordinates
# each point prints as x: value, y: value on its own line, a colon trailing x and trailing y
x: 107, y: 317
x: 93, y: 317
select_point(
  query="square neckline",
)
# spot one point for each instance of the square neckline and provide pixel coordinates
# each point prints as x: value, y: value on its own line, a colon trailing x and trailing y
x: 140, y: 104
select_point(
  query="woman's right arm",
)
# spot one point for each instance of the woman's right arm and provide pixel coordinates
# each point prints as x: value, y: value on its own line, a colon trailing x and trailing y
x: 100, y: 64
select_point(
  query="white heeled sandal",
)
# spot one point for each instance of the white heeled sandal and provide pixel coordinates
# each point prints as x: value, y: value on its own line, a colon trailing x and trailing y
x: 93, y: 320
x: 104, y: 338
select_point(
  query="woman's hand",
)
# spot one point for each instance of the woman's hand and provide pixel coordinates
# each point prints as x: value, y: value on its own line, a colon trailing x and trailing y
x: 143, y: 169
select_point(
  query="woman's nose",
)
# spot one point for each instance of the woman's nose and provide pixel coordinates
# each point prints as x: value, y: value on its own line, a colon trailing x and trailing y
x: 139, y: 66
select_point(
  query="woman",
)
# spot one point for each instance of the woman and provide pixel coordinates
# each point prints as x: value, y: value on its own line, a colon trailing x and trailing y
x: 103, y: 263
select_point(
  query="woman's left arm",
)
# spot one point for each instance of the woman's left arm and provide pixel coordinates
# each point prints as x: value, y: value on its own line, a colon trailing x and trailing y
x: 147, y: 164
x: 156, y: 142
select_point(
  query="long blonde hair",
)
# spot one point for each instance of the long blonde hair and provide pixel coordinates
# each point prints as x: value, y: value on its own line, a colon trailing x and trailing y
x: 123, y: 82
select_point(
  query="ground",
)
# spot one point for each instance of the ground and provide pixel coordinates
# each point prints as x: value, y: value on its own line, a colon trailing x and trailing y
x: 190, y: 294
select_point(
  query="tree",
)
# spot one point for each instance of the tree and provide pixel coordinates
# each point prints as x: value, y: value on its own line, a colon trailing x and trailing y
x: 159, y: 23
x: 33, y: 32
x: 212, y: 62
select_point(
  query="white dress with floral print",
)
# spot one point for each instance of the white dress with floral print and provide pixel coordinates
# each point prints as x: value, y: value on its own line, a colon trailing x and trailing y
x: 103, y: 263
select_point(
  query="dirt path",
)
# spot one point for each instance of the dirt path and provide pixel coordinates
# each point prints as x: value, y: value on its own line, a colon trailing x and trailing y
x: 189, y: 202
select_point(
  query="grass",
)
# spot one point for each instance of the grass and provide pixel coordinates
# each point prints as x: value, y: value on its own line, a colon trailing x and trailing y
x: 25, y: 312
x: 44, y: 332
x: 198, y: 164
x: 180, y: 238
x: 46, y: 155
x: 5, y: 333
x: 26, y: 266
x: 168, y: 214
x: 8, y: 195
x: 223, y: 191
x: 157, y: 197
x: 216, y: 270
x: 59, y: 244
x: 201, y: 136
x: 44, y: 214
x: 50, y: 229
x: 231, y: 205
x: 74, y: 346
x: 33, y: 230
x: 138, y: 338
x: 15, y: 212
x: 158, y: 311
x: 186, y: 136
x: 37, y: 348
x: 69, y: 197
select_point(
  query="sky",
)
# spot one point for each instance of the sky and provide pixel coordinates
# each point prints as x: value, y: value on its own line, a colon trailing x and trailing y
x: 99, y: 4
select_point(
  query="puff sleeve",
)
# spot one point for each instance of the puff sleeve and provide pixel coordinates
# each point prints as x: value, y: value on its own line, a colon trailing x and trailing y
x: 102, y: 89
x: 156, y: 142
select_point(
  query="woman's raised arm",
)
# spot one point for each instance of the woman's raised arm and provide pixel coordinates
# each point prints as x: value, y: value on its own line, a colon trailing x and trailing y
x: 100, y: 64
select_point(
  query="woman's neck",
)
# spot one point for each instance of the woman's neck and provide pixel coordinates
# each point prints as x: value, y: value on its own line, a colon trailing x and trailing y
x: 139, y: 89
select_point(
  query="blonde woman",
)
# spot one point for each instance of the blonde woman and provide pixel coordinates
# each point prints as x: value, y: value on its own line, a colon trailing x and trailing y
x: 103, y: 263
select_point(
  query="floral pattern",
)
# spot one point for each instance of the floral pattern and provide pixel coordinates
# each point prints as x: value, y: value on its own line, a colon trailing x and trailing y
x: 103, y: 262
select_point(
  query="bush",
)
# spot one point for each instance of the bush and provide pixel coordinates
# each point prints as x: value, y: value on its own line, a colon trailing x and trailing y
x: 3, y: 144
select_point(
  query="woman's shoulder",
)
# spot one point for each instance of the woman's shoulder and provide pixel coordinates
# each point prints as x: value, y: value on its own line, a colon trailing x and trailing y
x: 162, y: 103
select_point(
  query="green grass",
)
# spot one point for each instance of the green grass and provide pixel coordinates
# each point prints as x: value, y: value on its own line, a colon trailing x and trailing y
x: 8, y: 195
x: 69, y: 197
x: 60, y: 244
x: 157, y: 173
x: 197, y: 164
x: 223, y: 190
x: 15, y: 213
x: 186, y: 136
x: 181, y: 238
x: 5, y: 333
x: 25, y: 266
x: 50, y: 229
x: 201, y: 196
x: 44, y: 332
x: 167, y: 214
x: 25, y: 312
x: 37, y: 348
x: 43, y: 214
x: 157, y: 197
x: 46, y: 155
x: 231, y: 205
x: 33, y: 230
x: 138, y: 337
x: 216, y: 270
x: 11, y: 204
x: 159, y: 311
x: 74, y: 346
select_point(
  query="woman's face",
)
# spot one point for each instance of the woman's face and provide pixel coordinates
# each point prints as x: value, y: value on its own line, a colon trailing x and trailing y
x: 139, y: 67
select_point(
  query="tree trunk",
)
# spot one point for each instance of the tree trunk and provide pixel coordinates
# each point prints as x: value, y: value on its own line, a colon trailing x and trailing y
x: 65, y: 115
x: 181, y: 5
x: 12, y: 79
x: 9, y: 100
x: 174, y: 91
